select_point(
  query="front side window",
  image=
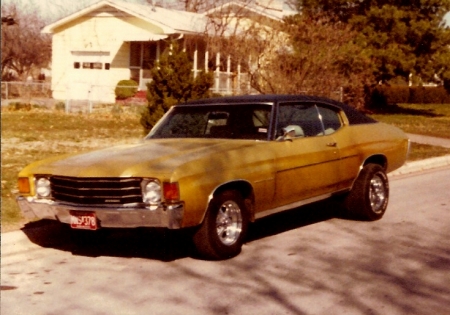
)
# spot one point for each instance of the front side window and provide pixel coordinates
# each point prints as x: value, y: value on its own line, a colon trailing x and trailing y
x: 241, y: 121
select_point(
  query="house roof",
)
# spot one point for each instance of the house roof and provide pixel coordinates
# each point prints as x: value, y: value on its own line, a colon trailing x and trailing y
x: 168, y: 20
x: 252, y: 7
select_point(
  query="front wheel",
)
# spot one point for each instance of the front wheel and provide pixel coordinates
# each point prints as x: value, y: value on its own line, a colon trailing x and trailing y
x: 369, y: 196
x: 222, y: 232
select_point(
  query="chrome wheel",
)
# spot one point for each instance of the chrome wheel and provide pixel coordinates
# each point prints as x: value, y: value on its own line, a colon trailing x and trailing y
x: 377, y: 193
x: 223, y: 230
x: 229, y: 222
x: 369, y: 196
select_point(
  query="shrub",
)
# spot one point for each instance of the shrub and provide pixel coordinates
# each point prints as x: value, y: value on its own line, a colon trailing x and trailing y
x: 125, y: 89
x: 60, y: 106
x: 397, y: 94
x: 386, y: 95
x: 17, y: 106
x: 173, y: 82
x: 375, y: 97
x: 429, y: 95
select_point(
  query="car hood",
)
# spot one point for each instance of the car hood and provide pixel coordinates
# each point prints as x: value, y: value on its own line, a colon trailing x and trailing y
x: 155, y: 158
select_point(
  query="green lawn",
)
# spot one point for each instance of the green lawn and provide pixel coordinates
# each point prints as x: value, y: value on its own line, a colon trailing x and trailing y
x: 29, y: 136
x: 426, y: 119
x: 423, y: 119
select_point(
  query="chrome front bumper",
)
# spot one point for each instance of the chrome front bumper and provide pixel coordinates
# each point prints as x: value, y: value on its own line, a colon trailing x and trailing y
x: 169, y: 216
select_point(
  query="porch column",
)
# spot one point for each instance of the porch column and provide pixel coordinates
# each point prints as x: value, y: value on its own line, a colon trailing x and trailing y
x: 141, y: 70
x: 217, y: 83
x: 238, y: 88
x: 195, y: 61
x: 228, y: 74
x: 248, y: 75
x: 158, y: 50
x: 206, y: 61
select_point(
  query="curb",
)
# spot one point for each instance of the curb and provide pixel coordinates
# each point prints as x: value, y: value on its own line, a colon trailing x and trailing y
x: 422, y: 165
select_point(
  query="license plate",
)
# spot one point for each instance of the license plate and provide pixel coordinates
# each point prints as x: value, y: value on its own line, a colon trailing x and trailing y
x: 83, y: 220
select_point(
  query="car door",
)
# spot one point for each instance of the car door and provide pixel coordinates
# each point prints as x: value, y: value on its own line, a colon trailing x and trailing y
x: 307, y: 164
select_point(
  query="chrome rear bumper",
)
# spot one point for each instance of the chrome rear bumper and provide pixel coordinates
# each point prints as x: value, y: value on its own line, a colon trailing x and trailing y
x: 169, y: 216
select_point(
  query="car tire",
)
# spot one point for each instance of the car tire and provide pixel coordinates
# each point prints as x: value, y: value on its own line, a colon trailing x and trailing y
x: 369, y: 196
x: 224, y: 227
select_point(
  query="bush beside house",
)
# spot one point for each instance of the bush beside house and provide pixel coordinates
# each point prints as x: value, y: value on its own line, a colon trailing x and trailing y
x: 125, y: 89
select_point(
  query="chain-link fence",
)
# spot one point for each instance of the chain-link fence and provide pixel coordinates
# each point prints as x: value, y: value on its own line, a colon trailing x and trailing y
x: 90, y: 97
x: 25, y: 90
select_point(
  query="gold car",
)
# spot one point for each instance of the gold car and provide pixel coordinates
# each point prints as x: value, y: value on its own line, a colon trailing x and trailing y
x: 219, y: 164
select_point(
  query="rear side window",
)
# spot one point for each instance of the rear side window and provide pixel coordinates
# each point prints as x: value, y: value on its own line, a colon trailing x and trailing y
x: 330, y: 119
x: 307, y: 120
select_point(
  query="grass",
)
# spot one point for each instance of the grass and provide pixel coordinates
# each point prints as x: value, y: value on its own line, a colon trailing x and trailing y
x: 424, y: 119
x: 31, y: 135
x: 423, y: 151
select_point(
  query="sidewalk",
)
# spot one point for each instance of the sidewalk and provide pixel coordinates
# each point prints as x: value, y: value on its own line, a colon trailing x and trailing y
x: 440, y: 142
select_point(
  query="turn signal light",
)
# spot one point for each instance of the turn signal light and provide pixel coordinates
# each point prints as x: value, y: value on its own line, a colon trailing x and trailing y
x: 171, y: 192
x: 24, y: 185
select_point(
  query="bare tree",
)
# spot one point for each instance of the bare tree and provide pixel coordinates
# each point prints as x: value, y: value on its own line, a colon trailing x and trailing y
x: 188, y: 5
x: 313, y: 55
x: 24, y: 48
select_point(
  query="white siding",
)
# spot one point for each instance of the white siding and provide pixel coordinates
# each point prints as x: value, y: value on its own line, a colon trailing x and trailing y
x: 97, y: 39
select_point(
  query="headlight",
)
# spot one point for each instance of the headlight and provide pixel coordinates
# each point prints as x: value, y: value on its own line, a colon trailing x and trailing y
x: 43, y: 187
x: 151, y: 192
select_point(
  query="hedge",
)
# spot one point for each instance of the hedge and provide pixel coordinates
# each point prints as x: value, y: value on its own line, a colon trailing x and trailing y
x: 385, y: 95
x: 125, y: 89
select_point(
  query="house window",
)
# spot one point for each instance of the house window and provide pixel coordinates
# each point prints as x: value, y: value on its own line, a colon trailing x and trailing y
x: 76, y: 65
x: 150, y: 55
x: 134, y: 74
x: 135, y: 54
x: 107, y: 66
x: 92, y: 65
x: 143, y: 55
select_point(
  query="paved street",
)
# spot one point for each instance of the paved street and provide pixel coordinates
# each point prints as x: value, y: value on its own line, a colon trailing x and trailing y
x: 300, y: 262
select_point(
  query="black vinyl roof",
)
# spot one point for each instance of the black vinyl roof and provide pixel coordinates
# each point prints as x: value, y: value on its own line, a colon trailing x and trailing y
x: 354, y: 116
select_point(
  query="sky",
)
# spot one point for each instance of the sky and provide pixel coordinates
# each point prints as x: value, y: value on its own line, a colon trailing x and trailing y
x: 52, y: 10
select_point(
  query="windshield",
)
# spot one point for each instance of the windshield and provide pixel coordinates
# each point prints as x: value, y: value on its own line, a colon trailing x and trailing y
x: 242, y: 121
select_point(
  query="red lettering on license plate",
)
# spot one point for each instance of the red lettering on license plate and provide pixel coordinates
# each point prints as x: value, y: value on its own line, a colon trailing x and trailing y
x: 83, y: 220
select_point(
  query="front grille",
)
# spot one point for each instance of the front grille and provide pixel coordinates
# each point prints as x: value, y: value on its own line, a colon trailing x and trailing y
x: 104, y: 191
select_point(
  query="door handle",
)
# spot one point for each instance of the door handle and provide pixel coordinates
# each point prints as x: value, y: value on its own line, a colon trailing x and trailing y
x: 331, y: 144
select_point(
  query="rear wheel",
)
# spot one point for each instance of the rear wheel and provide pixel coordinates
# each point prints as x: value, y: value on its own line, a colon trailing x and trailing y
x: 369, y: 196
x: 222, y: 232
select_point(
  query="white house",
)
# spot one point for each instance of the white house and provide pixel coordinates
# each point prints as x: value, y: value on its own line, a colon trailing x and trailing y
x: 109, y: 41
